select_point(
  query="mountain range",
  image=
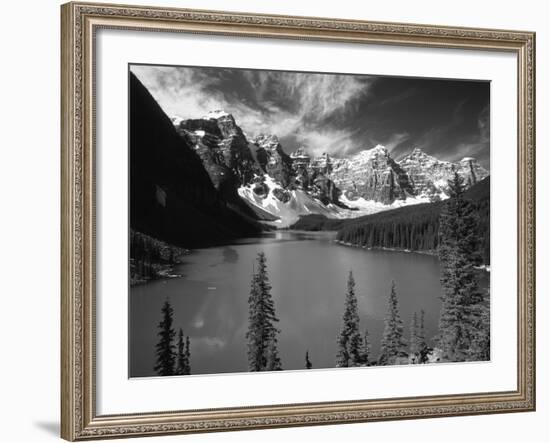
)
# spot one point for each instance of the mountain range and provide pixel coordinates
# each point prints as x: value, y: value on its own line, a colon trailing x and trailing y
x: 199, y: 182
x: 280, y: 187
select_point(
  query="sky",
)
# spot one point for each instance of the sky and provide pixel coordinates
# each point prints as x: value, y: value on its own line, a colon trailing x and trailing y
x: 340, y: 114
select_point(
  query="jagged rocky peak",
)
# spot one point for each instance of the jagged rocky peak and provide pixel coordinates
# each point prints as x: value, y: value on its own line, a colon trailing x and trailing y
x: 418, y: 156
x: 322, y: 164
x: 378, y: 153
x: 234, y: 159
x: 267, y: 141
x: 272, y: 159
x: 176, y: 120
x: 471, y: 171
x: 301, y: 168
x: 222, y: 147
x: 300, y: 157
x: 418, y: 152
x: 216, y: 114
x: 226, y: 123
x: 429, y: 175
x: 371, y: 174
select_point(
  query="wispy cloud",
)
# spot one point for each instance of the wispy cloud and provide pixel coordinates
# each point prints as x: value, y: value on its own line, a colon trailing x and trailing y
x: 186, y: 92
x: 303, y: 106
x: 338, y: 114
x: 452, y: 143
x: 398, y: 97
x: 337, y: 142
x: 395, y: 140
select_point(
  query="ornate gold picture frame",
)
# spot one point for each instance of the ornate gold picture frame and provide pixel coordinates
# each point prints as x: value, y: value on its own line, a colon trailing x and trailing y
x: 79, y: 417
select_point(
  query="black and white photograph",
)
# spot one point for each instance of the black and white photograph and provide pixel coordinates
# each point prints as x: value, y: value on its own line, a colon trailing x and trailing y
x: 287, y: 220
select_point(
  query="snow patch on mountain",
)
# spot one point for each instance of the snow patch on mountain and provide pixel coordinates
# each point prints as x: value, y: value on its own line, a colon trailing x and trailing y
x: 176, y: 120
x: 299, y: 203
x: 360, y: 206
x: 218, y: 113
x: 261, y: 172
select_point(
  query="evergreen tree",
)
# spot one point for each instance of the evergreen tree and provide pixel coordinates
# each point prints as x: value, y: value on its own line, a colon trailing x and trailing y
x: 422, y: 330
x: 461, y: 321
x: 481, y: 343
x: 350, y: 342
x: 417, y: 341
x: 181, y: 364
x: 255, y: 321
x: 273, y: 359
x: 423, y: 345
x: 365, y: 350
x: 393, y: 345
x: 165, y: 347
x: 187, y: 369
x: 262, y: 333
x: 309, y: 365
x: 413, y: 337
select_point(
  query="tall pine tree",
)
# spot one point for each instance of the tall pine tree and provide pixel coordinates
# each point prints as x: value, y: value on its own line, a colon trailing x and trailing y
x: 262, y: 332
x: 413, y: 337
x: 187, y: 354
x: 365, y: 350
x: 181, y: 364
x: 462, y: 321
x: 393, y: 346
x: 166, y: 357
x: 309, y: 365
x: 481, y: 342
x: 423, y: 345
x: 273, y: 359
x: 422, y: 330
x: 350, y: 342
x: 417, y: 341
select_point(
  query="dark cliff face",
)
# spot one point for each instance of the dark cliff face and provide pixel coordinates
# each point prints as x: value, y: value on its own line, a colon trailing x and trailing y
x: 223, y: 150
x: 429, y: 175
x: 312, y: 175
x: 172, y: 196
x: 325, y: 190
x: 272, y: 159
x: 373, y: 175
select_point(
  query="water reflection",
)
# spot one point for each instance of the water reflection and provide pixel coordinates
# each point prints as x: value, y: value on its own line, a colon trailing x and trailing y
x: 308, y: 273
x: 230, y: 255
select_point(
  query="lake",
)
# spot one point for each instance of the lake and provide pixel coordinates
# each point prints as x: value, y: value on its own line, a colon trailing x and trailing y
x: 308, y: 272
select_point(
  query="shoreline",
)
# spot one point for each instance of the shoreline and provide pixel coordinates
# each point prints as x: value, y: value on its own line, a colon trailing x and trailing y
x: 431, y: 252
x: 163, y: 271
x: 381, y: 248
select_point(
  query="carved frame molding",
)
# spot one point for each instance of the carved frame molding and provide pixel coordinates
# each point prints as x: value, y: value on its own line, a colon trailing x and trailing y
x: 79, y: 24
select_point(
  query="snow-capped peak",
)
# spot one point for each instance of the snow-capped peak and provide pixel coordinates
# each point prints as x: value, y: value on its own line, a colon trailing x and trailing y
x: 417, y: 151
x: 176, y: 120
x: 379, y: 148
x: 217, y: 113
x: 418, y: 155
x: 300, y: 153
x: 368, y: 154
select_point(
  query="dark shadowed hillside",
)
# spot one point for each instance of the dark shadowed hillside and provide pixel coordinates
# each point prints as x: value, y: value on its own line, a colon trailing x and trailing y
x: 172, y: 196
x: 319, y: 222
